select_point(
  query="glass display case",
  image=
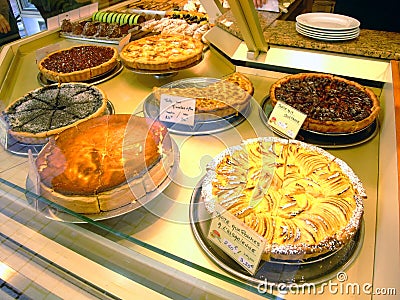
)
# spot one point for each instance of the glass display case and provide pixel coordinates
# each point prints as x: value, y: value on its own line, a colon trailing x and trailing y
x: 160, y: 248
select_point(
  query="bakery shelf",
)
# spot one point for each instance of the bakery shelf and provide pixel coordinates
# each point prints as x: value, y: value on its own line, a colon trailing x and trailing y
x: 152, y: 250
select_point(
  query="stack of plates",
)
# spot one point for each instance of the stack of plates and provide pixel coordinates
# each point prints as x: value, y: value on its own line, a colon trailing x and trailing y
x: 327, y: 26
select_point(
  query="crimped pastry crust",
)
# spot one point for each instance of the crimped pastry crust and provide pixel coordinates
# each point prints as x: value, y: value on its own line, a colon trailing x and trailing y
x: 332, y: 104
x: 301, y: 199
x: 222, y: 98
x: 49, y: 110
x: 104, y: 163
x: 82, y: 63
x: 161, y: 52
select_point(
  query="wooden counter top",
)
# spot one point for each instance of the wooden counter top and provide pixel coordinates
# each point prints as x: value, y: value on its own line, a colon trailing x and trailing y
x: 370, y: 43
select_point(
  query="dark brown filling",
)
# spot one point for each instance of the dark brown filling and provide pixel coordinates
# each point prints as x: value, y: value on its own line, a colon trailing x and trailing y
x: 78, y: 58
x: 325, y: 99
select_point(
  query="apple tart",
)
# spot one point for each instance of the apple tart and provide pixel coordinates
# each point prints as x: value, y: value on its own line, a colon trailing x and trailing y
x: 301, y: 199
x: 331, y: 103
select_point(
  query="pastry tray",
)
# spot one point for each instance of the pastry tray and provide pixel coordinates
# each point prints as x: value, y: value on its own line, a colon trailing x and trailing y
x: 314, y: 270
x: 57, y: 213
x: 324, y: 140
x: 151, y: 109
x: 91, y: 39
x: 19, y: 148
x: 43, y: 81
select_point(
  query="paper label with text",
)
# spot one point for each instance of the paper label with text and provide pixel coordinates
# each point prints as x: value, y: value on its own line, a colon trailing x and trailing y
x: 236, y: 239
x: 286, y: 119
x: 176, y: 109
x: 3, y: 133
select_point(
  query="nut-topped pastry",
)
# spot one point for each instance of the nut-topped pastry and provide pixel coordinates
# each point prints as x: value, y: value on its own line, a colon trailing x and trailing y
x: 332, y: 103
x: 301, y: 199
x: 78, y: 63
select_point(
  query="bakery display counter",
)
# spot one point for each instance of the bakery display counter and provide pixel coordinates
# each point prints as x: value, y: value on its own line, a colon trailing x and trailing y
x: 159, y: 249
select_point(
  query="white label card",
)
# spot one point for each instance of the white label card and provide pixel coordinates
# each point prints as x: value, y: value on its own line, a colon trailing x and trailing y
x: 176, y: 109
x: 286, y: 119
x: 236, y: 239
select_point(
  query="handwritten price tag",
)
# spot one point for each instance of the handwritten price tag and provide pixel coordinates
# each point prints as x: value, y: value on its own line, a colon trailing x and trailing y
x: 176, y: 109
x: 3, y: 133
x: 237, y: 240
x: 286, y: 119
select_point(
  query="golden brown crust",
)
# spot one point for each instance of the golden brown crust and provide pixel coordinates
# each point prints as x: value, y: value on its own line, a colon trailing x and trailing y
x: 83, y: 74
x: 14, y: 115
x: 104, y: 163
x: 161, y: 52
x: 301, y: 199
x: 220, y: 99
x: 324, y: 125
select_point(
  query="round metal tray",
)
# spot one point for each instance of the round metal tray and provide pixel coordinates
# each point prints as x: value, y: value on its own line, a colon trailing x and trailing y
x: 314, y: 270
x: 64, y: 215
x: 19, y: 148
x: 151, y: 109
x: 43, y: 81
x: 325, y: 140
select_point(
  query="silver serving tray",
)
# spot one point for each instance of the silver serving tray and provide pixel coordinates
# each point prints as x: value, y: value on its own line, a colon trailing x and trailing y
x: 151, y: 109
x: 328, y: 140
x: 314, y: 270
x: 43, y: 81
x: 57, y: 213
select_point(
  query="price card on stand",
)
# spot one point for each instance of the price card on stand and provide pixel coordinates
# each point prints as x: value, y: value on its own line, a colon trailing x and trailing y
x: 286, y: 119
x: 176, y: 109
x: 237, y: 240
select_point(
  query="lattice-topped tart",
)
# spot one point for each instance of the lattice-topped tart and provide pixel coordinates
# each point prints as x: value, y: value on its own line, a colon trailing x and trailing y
x: 221, y: 98
x: 332, y: 103
x: 49, y: 110
x: 104, y: 163
x: 162, y: 52
x: 78, y: 63
x: 301, y: 199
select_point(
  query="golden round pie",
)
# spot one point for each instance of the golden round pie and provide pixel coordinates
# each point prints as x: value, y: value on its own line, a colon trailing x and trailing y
x: 78, y: 63
x: 301, y: 199
x: 162, y: 52
x: 221, y: 98
x: 49, y: 110
x: 331, y: 103
x: 104, y: 163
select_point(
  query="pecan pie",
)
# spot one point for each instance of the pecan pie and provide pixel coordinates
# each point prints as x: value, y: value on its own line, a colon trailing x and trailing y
x: 304, y: 201
x: 49, y: 110
x: 78, y: 63
x: 104, y: 163
x: 332, y: 103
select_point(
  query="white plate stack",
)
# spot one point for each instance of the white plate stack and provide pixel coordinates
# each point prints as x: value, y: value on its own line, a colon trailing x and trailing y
x: 327, y: 26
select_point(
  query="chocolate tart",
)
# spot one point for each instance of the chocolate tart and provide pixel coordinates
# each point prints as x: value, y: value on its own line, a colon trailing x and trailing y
x: 47, y: 111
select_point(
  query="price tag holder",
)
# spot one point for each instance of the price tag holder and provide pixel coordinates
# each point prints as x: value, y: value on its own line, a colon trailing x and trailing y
x: 3, y: 133
x: 286, y: 119
x: 236, y: 239
x: 176, y: 109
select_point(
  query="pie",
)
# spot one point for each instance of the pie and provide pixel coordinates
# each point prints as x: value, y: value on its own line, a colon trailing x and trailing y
x: 162, y: 52
x: 304, y: 201
x: 78, y: 63
x: 332, y: 103
x: 104, y: 163
x: 49, y: 110
x: 221, y: 98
